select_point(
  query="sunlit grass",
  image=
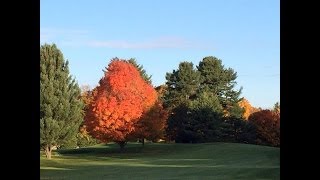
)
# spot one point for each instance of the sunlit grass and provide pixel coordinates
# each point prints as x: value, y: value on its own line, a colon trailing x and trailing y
x: 164, y: 161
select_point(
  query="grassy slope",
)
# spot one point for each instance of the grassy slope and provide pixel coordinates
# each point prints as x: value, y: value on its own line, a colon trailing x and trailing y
x: 165, y: 161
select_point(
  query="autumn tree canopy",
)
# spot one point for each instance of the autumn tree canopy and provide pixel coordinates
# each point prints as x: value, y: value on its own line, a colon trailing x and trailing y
x: 122, y: 97
x: 141, y: 70
x: 60, y: 105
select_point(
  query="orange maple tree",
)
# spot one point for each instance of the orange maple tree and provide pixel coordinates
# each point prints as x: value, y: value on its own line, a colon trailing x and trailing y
x: 122, y: 96
x: 152, y: 124
x: 248, y: 109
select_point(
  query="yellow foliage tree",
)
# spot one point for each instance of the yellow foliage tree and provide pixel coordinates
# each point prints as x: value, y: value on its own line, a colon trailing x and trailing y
x: 248, y: 109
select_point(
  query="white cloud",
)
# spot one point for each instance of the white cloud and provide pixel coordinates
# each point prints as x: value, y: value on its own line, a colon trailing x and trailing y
x: 161, y: 42
x: 76, y: 38
x: 48, y: 35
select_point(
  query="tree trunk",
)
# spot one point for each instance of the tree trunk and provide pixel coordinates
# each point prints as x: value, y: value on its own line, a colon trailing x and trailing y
x: 142, y: 141
x: 48, y: 151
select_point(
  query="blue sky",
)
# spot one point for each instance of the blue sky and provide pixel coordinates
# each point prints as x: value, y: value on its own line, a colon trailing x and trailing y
x: 244, y: 34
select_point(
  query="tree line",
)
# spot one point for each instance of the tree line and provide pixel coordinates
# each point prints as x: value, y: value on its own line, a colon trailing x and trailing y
x: 195, y: 105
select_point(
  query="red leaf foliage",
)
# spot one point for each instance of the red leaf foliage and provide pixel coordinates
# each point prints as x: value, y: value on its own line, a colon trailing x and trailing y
x: 267, y: 123
x: 122, y: 96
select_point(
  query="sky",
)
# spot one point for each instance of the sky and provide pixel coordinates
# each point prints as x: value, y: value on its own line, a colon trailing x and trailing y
x: 159, y: 34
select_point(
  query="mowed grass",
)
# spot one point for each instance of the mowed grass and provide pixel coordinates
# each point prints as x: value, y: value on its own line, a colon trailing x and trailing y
x: 164, y: 161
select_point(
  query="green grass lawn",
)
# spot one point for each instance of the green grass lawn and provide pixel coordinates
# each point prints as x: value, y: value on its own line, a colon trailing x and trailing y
x: 164, y: 161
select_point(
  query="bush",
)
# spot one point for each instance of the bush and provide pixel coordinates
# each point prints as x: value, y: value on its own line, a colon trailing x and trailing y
x: 267, y: 124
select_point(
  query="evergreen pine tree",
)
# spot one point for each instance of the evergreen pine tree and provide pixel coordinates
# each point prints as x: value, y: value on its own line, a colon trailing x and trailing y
x: 182, y: 85
x: 217, y: 79
x: 60, y: 104
x: 198, y: 98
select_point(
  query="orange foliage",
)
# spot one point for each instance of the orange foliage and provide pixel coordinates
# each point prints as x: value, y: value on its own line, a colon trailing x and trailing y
x: 152, y: 124
x: 121, y: 98
x: 248, y: 109
x: 267, y: 124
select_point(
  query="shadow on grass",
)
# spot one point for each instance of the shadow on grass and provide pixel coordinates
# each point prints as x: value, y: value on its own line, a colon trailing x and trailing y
x: 107, y: 149
x: 113, y: 150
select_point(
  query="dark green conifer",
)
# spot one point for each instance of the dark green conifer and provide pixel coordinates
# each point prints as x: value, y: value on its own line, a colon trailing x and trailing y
x: 60, y: 105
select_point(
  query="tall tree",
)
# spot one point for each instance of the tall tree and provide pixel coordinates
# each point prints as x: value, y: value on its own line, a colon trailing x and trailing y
x: 60, y: 104
x: 142, y: 71
x: 192, y: 92
x: 217, y: 79
x: 122, y: 96
x: 180, y: 90
x: 182, y: 85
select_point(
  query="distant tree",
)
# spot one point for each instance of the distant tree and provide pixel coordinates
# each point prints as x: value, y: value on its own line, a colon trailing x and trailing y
x: 60, y: 105
x: 122, y: 97
x: 217, y: 79
x: 276, y: 108
x: 267, y: 124
x: 248, y: 109
x: 141, y: 70
x: 87, y: 95
x: 83, y: 137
